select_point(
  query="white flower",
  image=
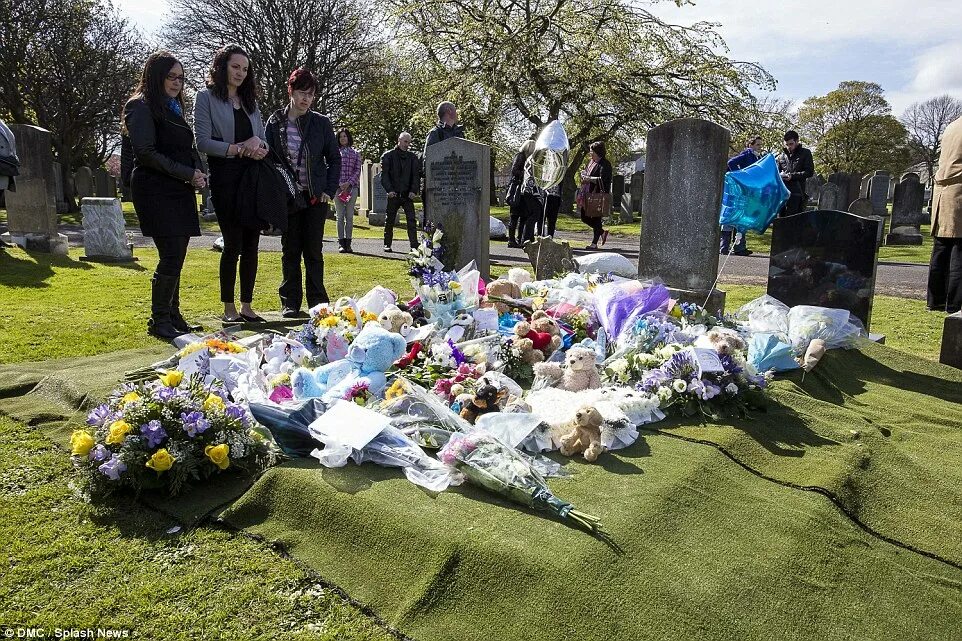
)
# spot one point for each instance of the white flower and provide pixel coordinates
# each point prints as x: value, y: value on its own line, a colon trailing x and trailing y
x: 664, y: 393
x: 619, y: 366
x: 679, y: 386
x: 731, y: 388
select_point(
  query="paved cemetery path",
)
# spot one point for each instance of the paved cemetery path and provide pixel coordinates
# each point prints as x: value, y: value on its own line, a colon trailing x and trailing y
x: 895, y: 279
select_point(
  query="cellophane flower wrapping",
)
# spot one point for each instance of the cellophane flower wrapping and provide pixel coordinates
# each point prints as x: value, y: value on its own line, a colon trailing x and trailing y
x: 167, y: 433
x: 420, y: 414
x: 487, y: 462
x: 618, y: 304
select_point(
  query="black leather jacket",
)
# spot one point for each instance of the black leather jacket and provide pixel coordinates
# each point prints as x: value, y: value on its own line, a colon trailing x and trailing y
x: 323, y: 159
x: 400, y: 172
x: 799, y: 165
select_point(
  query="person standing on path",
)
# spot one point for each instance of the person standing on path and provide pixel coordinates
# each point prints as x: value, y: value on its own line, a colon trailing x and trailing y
x: 795, y: 165
x: 945, y: 267
x: 516, y: 208
x: 596, y: 178
x: 347, y: 190
x: 230, y: 131
x: 400, y: 176
x: 748, y: 157
x: 304, y: 142
x: 166, y: 171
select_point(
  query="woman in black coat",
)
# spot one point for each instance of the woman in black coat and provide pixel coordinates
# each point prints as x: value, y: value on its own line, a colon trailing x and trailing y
x: 594, y: 179
x: 166, y: 172
x: 517, y: 208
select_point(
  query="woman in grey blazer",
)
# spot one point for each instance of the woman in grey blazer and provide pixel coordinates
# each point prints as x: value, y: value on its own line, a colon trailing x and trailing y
x: 230, y: 131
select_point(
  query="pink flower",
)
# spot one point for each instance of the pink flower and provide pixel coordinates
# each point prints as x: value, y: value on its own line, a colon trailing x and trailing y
x: 281, y: 393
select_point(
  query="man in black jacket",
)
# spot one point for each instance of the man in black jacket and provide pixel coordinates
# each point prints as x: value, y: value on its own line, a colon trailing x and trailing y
x: 400, y: 177
x: 795, y: 165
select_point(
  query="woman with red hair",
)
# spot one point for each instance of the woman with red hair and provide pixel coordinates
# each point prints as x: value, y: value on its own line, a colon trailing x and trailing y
x: 304, y: 142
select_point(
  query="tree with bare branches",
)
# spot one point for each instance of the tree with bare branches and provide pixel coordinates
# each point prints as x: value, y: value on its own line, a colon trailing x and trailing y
x: 602, y: 67
x: 336, y: 40
x: 68, y: 66
x: 926, y: 122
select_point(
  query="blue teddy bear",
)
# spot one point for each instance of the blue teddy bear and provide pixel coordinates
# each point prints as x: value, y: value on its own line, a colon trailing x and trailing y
x: 373, y: 351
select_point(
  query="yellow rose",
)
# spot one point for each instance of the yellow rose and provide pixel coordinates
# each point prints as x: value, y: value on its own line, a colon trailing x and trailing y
x: 172, y: 378
x: 81, y: 443
x: 330, y: 321
x: 213, y: 402
x: 455, y: 286
x: 129, y: 397
x: 161, y: 461
x: 368, y: 317
x: 396, y: 389
x: 218, y: 455
x: 117, y: 432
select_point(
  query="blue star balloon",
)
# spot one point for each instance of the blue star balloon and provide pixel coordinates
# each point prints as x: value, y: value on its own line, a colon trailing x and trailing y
x: 753, y: 196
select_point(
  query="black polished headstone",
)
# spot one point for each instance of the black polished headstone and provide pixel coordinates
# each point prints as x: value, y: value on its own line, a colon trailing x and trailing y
x: 825, y: 258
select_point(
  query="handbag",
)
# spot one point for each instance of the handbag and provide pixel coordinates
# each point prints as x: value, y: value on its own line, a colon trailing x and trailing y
x: 597, y: 204
x: 295, y: 198
x: 514, y: 190
x: 9, y: 166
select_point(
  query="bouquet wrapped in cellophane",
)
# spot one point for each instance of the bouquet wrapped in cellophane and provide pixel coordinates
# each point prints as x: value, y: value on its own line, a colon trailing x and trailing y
x: 486, y: 461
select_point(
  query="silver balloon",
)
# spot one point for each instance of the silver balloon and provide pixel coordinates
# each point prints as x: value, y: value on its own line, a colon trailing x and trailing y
x: 548, y: 163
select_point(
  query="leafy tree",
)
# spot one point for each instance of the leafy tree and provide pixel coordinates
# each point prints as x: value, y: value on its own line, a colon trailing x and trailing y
x: 926, y: 122
x: 605, y: 68
x: 336, y: 40
x: 852, y: 129
x: 68, y: 66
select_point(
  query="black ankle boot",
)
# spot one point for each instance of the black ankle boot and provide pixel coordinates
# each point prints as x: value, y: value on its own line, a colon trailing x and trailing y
x: 176, y: 319
x: 161, y: 293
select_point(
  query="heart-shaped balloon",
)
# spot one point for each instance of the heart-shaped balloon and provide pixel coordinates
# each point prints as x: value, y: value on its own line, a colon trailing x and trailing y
x: 548, y: 163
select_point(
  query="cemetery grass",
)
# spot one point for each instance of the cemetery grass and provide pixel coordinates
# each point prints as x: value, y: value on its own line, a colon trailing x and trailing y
x: 72, y: 566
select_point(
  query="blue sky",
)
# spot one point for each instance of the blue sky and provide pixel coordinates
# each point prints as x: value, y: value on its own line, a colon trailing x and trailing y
x: 912, y: 49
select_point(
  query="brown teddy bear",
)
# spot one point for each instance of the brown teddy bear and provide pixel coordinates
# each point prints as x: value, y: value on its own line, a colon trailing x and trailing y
x: 394, y: 320
x: 500, y: 289
x: 542, y: 332
x: 486, y: 399
x: 579, y: 371
x: 585, y: 435
x: 726, y: 342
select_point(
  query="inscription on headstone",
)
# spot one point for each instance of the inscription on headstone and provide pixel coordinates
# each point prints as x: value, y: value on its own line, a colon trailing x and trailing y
x: 878, y: 193
x: 828, y: 198
x: 458, y: 197
x: 825, y: 258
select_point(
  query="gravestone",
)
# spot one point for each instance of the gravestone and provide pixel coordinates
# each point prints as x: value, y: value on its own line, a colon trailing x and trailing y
x: 617, y: 199
x: 637, y: 189
x: 878, y: 192
x: 207, y: 211
x: 32, y: 208
x: 685, y: 172
x: 951, y: 352
x: 101, y: 189
x: 105, y: 239
x: 825, y: 258
x: 863, y: 207
x: 847, y: 187
x: 828, y: 198
x: 377, y: 214
x: 61, y: 202
x: 907, y: 212
x: 864, y: 186
x: 550, y: 257
x: 364, y: 189
x: 458, y: 198
x: 813, y: 187
x: 111, y: 186
x: 83, y: 182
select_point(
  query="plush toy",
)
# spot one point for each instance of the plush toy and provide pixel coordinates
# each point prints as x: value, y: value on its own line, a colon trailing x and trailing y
x: 519, y: 276
x: 524, y: 341
x: 373, y: 351
x: 585, y: 435
x: 396, y: 321
x: 543, y: 333
x: 501, y: 289
x: 486, y: 399
x: 579, y: 372
x: 725, y: 342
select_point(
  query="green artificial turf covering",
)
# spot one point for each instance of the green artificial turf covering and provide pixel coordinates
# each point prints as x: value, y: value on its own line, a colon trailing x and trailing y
x: 836, y: 514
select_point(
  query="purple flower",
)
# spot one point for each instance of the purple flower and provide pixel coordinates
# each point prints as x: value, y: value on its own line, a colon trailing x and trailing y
x: 680, y: 365
x: 113, y: 468
x: 731, y: 367
x: 154, y: 432
x: 653, y: 379
x: 119, y: 393
x: 219, y: 391
x: 101, y: 415
x: 99, y: 453
x: 456, y: 354
x: 194, y: 423
x: 238, y: 412
x: 165, y: 394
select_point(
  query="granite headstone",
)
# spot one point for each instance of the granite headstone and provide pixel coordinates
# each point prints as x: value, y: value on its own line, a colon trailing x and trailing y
x: 550, y: 257
x: 828, y: 198
x: 907, y: 213
x: 83, y: 182
x: 825, y: 258
x: 364, y: 191
x: 813, y: 187
x: 846, y: 192
x: 878, y: 193
x: 951, y: 351
x: 62, y: 205
x: 637, y: 190
x: 101, y: 188
x: 32, y: 208
x: 685, y: 174
x: 458, y: 198
x: 617, y: 199
x: 105, y: 239
x: 377, y: 214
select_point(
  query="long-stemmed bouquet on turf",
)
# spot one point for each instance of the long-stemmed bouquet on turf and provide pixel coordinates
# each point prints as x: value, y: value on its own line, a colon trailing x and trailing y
x: 486, y: 461
x: 167, y: 433
x: 192, y: 358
